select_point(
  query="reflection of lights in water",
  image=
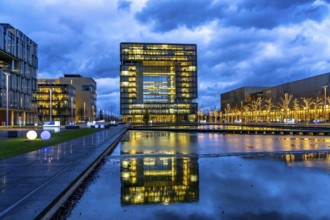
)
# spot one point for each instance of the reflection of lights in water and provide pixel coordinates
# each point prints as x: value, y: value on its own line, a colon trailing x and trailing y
x: 149, y: 161
x: 159, y: 180
x: 164, y: 160
x: 138, y: 198
x: 4, y: 181
x: 193, y: 178
x: 125, y: 175
x: 166, y: 200
x: 124, y: 163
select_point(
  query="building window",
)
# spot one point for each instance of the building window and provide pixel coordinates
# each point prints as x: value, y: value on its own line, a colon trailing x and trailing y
x: 87, y: 88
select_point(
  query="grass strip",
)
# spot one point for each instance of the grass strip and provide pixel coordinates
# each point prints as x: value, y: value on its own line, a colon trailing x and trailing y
x: 17, y: 146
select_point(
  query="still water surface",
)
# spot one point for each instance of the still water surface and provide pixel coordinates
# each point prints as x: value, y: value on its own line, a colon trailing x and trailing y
x: 168, y: 175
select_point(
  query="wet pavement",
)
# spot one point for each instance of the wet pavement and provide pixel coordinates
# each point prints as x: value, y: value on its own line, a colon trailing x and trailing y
x: 169, y: 175
x: 29, y: 183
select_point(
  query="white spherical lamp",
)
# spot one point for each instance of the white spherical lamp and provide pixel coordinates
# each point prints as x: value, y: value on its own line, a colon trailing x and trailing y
x: 31, y: 135
x: 45, y: 135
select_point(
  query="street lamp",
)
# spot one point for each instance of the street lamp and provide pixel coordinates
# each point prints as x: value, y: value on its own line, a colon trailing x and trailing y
x: 72, y: 109
x: 325, y: 102
x: 50, y: 104
x: 84, y: 112
x: 7, y: 97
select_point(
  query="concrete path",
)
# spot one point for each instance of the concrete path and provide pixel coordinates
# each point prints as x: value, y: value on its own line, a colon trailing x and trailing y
x: 33, y: 182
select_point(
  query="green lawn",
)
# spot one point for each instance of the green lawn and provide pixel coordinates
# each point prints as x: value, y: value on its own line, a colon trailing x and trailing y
x: 15, y: 146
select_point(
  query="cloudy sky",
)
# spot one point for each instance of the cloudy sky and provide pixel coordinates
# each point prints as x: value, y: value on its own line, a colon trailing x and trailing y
x: 240, y: 42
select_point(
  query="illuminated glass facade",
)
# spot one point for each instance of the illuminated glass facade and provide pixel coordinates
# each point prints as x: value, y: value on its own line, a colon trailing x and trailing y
x: 161, y: 78
x: 147, y: 178
x: 62, y: 103
x: 152, y: 180
x: 19, y: 58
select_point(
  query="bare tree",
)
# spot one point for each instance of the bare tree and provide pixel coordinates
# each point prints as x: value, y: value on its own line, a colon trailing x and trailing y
x: 308, y: 102
x: 285, y: 102
x: 318, y: 102
x: 228, y: 111
x: 216, y: 113
x: 269, y: 107
x: 296, y: 108
x: 256, y: 108
x: 210, y: 115
x: 235, y: 111
x: 246, y: 110
x: 200, y: 114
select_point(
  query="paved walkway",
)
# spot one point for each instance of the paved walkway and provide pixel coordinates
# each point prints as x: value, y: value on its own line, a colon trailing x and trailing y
x: 29, y: 183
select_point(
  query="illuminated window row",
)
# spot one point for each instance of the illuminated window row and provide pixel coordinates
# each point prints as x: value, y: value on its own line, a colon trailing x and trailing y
x: 158, y: 52
x: 158, y: 46
x: 137, y: 57
x: 150, y: 106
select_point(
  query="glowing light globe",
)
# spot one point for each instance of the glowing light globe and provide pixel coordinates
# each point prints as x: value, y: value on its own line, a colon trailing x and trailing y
x: 96, y: 126
x: 45, y: 135
x: 31, y: 135
x: 101, y: 126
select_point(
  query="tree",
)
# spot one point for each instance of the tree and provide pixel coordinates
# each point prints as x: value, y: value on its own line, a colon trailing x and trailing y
x: 228, y: 111
x: 296, y: 108
x: 285, y: 105
x: 308, y: 102
x: 255, y: 108
x: 200, y: 114
x: 211, y: 114
x: 268, y: 107
x: 318, y: 102
x: 216, y: 113
x: 246, y: 110
x: 146, y: 116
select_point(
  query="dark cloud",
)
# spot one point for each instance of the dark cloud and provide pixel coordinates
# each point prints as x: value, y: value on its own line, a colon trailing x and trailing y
x: 276, y: 4
x: 102, y: 66
x: 167, y: 15
x: 246, y: 14
x: 269, y: 15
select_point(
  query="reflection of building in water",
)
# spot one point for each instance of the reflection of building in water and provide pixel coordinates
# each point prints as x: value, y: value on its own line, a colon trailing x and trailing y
x: 149, y: 180
x: 137, y: 142
x: 314, y: 159
x: 295, y: 157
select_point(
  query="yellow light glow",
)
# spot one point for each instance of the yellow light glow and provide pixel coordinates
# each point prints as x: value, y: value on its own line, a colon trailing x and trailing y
x: 125, y: 175
x: 31, y: 135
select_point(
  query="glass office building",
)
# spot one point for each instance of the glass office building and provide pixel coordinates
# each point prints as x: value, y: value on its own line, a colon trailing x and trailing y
x: 160, y: 79
x: 18, y: 71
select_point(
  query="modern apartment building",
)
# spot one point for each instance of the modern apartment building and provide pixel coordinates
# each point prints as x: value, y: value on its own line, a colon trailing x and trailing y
x: 85, y: 95
x: 18, y: 71
x: 56, y: 102
x: 159, y: 80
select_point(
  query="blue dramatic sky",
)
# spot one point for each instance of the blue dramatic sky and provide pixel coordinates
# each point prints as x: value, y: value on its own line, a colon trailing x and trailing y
x: 240, y: 42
